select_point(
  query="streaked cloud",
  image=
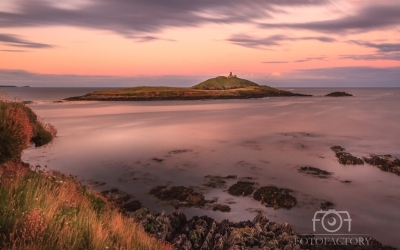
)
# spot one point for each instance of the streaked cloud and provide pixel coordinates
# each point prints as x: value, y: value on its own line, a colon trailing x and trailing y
x: 275, y: 62
x: 275, y: 40
x: 376, y: 16
x: 395, y: 56
x: 129, y: 17
x: 318, y: 58
x: 15, y: 41
x: 381, y: 47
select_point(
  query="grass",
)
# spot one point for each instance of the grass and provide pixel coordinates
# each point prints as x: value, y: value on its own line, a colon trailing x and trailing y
x: 171, y: 93
x: 19, y: 126
x: 48, y: 210
x: 220, y: 87
x: 223, y: 82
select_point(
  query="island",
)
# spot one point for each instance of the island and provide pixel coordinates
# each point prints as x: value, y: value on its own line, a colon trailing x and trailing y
x: 221, y: 87
x: 338, y: 94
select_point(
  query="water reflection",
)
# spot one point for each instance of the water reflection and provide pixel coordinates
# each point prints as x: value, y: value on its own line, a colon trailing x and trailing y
x: 266, y: 139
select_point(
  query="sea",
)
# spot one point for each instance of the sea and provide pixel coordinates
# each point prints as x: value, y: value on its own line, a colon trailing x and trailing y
x: 135, y: 146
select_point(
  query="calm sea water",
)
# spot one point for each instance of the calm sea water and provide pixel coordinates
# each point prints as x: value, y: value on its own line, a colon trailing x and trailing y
x: 266, y: 139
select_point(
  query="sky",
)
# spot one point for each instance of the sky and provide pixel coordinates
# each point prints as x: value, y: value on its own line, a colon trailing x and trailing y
x: 281, y: 43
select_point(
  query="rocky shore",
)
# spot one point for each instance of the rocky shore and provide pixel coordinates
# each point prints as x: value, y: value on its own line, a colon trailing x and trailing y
x: 260, y: 233
x: 181, y: 97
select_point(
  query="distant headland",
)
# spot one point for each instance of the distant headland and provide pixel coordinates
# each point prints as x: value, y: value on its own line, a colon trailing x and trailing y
x: 220, y: 87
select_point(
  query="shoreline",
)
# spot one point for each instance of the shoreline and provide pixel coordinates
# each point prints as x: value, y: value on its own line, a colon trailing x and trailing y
x: 176, y: 98
x: 203, y: 232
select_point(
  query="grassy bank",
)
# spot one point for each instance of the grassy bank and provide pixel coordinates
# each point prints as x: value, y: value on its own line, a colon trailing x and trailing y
x: 47, y: 210
x: 19, y: 126
x: 42, y: 209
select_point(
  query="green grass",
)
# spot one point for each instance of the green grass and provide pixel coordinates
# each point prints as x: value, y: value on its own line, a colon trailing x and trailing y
x: 223, y: 82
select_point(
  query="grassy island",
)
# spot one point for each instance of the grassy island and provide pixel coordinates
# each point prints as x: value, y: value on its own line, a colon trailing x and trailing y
x: 220, y: 87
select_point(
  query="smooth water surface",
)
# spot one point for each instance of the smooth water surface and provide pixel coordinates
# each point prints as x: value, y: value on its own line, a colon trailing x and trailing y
x: 265, y: 139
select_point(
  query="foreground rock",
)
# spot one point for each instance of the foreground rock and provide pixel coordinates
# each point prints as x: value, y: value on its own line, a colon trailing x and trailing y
x: 122, y: 200
x: 273, y: 196
x: 206, y: 233
x: 186, y: 196
x: 385, y: 163
x: 346, y: 158
x: 241, y: 188
x: 338, y: 94
x: 216, y: 181
x: 316, y: 172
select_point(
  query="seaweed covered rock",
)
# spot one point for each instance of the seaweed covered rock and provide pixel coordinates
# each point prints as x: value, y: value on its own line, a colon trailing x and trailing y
x: 241, y: 188
x: 314, y: 172
x: 222, y: 208
x: 273, y: 196
x: 338, y: 94
x: 327, y: 205
x: 346, y: 158
x: 206, y: 233
x: 385, y: 163
x: 179, y: 193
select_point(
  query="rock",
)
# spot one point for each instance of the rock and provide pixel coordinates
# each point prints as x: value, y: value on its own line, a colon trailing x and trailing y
x: 273, y: 196
x: 222, y: 208
x: 385, y: 163
x: 179, y: 193
x: 315, y: 172
x: 337, y: 149
x: 241, y: 188
x: 338, y: 94
x: 157, y: 159
x: 231, y: 177
x: 326, y: 205
x: 132, y: 206
x: 215, y: 181
x: 346, y: 158
x: 202, y: 233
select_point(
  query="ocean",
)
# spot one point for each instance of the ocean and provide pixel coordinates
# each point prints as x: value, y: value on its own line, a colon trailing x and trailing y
x: 132, y: 146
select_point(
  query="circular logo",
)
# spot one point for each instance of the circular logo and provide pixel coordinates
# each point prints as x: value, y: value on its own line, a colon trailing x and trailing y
x: 333, y: 222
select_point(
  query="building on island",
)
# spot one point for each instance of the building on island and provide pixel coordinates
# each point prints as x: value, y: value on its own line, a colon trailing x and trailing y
x: 231, y: 76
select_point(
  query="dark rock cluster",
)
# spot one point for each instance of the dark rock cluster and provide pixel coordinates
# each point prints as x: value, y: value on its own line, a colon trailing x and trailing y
x: 338, y: 94
x: 346, y: 158
x: 187, y: 196
x: 125, y: 202
x: 314, y: 172
x: 241, y: 188
x: 206, y: 233
x: 272, y: 196
x: 385, y: 163
x: 216, y: 181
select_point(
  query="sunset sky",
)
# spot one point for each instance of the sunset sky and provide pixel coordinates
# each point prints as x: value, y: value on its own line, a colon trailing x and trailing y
x: 288, y: 43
